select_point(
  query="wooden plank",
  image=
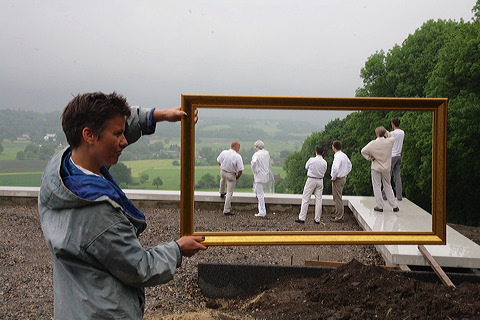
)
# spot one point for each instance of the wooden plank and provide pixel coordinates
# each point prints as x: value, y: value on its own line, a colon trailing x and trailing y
x: 435, y: 266
x: 404, y: 267
x: 316, y: 263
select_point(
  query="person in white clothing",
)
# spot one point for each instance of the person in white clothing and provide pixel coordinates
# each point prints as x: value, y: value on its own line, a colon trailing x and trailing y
x: 396, y: 159
x: 262, y: 175
x: 379, y: 152
x: 341, y: 167
x: 316, y: 168
x: 231, y: 168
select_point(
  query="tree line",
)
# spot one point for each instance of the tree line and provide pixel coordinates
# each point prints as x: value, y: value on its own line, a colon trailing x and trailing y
x: 440, y: 59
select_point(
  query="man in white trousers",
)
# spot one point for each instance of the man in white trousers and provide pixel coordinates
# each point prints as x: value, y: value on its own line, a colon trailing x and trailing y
x: 262, y: 175
x: 379, y: 152
x: 316, y: 168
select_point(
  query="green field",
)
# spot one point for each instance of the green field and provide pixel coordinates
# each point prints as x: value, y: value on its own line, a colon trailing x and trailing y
x: 274, y: 147
x: 24, y: 173
x: 10, y: 149
x: 29, y: 172
x: 170, y: 174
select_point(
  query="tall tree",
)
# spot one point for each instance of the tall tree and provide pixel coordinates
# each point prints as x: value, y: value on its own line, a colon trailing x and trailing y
x: 121, y: 173
x: 441, y: 59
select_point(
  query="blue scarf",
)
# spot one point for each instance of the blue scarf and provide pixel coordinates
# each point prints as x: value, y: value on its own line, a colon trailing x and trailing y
x: 91, y: 187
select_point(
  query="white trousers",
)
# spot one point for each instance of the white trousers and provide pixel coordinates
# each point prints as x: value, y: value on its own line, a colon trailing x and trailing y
x: 258, y: 189
x: 312, y: 186
x: 379, y: 178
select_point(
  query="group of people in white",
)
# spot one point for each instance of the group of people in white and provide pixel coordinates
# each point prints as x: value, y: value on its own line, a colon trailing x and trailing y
x: 384, y: 153
x: 231, y: 168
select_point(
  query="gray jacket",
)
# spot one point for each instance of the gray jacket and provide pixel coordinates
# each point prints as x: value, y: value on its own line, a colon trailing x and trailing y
x: 100, y: 268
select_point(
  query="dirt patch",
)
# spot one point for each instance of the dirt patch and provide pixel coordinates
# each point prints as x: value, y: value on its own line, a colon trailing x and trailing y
x: 359, y: 289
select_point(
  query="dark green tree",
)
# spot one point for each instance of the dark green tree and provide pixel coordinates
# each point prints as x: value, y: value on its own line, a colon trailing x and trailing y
x: 31, y: 151
x: 207, y: 181
x: 45, y: 152
x: 441, y: 59
x: 121, y: 173
x: 143, y: 177
x: 157, y: 182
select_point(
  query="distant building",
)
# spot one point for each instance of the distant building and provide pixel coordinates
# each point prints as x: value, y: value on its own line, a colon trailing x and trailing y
x: 24, y: 137
x: 50, y: 137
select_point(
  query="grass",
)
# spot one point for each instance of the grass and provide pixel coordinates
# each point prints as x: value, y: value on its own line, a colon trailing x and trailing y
x: 170, y: 174
x: 21, y: 179
x: 10, y: 149
x: 28, y: 173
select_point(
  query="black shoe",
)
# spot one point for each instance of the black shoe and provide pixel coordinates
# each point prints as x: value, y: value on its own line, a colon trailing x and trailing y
x: 396, y: 209
x: 228, y: 213
x: 316, y: 222
x: 299, y: 221
x: 337, y: 220
x: 222, y: 195
x: 378, y: 209
x: 399, y: 199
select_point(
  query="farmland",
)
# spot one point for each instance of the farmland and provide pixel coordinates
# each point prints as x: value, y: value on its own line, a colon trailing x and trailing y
x: 28, y: 172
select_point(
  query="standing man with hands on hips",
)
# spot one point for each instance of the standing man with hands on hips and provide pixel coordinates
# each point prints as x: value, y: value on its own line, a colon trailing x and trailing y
x: 379, y: 152
x: 231, y: 168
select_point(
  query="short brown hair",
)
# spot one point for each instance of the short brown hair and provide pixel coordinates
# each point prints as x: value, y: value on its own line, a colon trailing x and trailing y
x: 337, y: 144
x: 319, y: 150
x: 396, y: 122
x: 91, y: 110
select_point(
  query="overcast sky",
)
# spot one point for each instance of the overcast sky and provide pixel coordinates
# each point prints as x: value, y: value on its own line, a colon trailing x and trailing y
x: 153, y: 51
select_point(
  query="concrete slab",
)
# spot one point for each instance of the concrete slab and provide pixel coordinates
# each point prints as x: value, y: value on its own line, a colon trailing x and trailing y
x: 458, y: 252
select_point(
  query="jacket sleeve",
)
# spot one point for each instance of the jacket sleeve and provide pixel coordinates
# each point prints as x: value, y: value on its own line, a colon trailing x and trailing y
x: 139, y: 123
x: 366, y: 152
x: 118, y: 250
x: 390, y: 137
x: 253, y: 163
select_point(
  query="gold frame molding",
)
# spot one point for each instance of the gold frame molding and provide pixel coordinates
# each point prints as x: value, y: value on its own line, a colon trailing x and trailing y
x: 439, y: 147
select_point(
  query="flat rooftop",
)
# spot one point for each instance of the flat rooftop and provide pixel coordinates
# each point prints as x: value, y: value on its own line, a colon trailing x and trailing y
x: 458, y: 252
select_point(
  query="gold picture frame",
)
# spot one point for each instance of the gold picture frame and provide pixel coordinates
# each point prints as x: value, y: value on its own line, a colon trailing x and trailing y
x: 438, y: 106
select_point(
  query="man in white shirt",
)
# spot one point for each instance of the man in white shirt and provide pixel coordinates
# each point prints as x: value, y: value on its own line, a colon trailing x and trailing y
x: 262, y: 175
x: 379, y: 151
x: 231, y: 168
x: 316, y: 168
x: 397, y: 157
x: 341, y: 167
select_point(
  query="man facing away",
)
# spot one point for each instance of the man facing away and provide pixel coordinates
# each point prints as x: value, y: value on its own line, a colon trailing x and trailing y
x: 262, y: 175
x: 341, y: 167
x: 379, y: 152
x: 316, y: 168
x: 397, y: 158
x: 231, y: 168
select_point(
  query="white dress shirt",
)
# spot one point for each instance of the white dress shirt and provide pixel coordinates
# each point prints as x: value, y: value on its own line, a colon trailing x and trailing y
x: 316, y: 167
x: 230, y: 161
x: 341, y: 165
x: 398, y: 144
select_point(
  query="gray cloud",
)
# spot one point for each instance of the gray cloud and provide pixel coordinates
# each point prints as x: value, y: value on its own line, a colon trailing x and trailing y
x: 153, y: 51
